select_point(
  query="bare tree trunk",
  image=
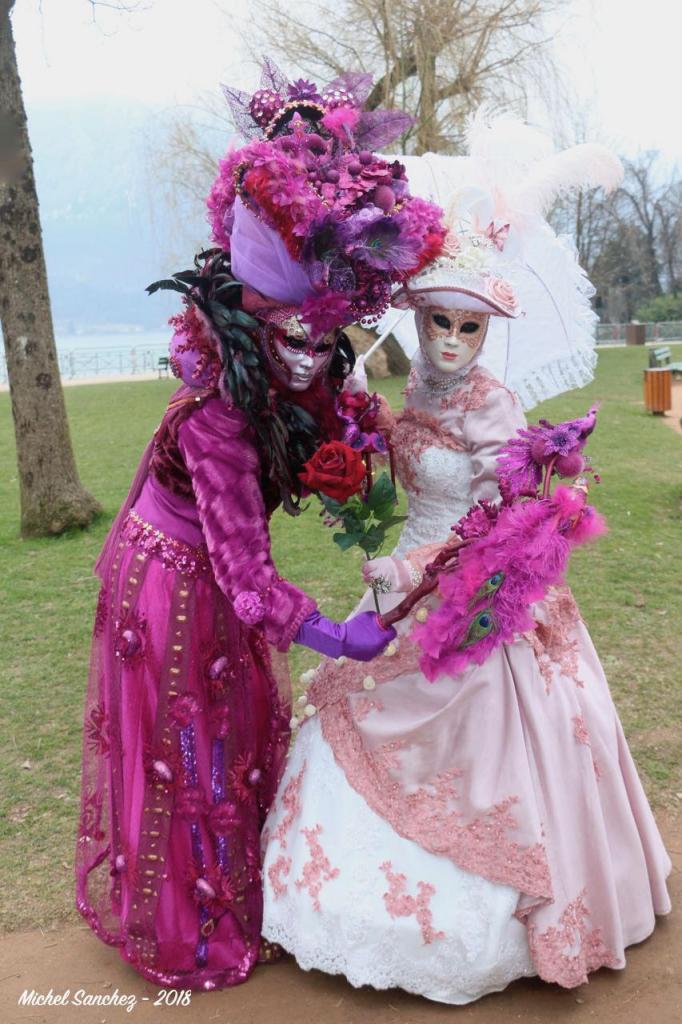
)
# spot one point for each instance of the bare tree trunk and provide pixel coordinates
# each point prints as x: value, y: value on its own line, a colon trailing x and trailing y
x: 52, y: 497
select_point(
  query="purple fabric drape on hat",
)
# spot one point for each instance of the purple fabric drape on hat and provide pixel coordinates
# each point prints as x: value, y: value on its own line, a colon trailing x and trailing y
x: 261, y: 261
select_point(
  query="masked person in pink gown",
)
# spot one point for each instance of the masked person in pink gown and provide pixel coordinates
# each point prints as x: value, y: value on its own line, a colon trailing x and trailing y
x: 187, y: 712
x: 448, y: 835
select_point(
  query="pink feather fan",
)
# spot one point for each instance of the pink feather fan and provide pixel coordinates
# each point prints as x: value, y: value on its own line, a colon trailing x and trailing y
x: 510, y: 556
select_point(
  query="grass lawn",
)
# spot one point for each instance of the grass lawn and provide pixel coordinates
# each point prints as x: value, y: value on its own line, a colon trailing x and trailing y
x: 628, y: 587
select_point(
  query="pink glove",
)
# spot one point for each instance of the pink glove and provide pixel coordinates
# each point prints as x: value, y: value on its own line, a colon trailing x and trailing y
x: 390, y: 574
x: 361, y: 637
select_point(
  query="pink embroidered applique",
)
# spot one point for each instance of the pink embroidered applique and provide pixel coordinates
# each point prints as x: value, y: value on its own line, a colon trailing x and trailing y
x: 428, y: 815
x: 385, y: 757
x: 291, y: 800
x: 474, y: 392
x: 415, y: 431
x: 580, y: 730
x: 552, y: 642
x: 582, y: 736
x: 400, y: 904
x: 364, y: 706
x: 279, y: 867
x: 317, y: 870
x: 568, y: 951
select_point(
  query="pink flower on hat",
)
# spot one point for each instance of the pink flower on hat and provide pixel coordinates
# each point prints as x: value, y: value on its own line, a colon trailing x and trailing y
x: 501, y: 292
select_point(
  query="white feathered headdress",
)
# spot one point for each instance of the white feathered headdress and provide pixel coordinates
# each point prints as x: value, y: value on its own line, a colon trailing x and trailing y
x: 514, y: 175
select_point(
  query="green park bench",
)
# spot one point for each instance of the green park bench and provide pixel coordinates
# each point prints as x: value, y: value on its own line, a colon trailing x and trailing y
x: 659, y: 358
x: 162, y: 366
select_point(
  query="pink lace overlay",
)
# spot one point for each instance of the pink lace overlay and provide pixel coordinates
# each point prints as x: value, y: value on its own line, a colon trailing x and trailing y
x: 414, y: 432
x: 291, y: 799
x: 553, y: 641
x: 568, y: 951
x: 279, y: 867
x: 427, y: 814
x: 474, y: 391
x: 317, y: 870
x: 400, y: 904
x: 412, y: 382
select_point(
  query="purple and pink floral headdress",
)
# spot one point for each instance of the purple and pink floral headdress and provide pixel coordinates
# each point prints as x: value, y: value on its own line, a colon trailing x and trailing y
x: 310, y: 215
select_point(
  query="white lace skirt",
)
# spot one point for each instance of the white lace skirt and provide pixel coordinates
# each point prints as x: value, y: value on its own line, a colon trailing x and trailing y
x: 345, y: 894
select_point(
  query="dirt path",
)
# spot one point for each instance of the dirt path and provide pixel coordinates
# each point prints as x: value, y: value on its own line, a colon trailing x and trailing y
x: 648, y: 991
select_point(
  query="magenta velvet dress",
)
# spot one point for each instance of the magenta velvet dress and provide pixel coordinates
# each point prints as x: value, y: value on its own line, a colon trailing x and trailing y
x: 186, y: 718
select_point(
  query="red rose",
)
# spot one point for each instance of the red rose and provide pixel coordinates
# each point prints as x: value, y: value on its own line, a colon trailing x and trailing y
x: 335, y: 469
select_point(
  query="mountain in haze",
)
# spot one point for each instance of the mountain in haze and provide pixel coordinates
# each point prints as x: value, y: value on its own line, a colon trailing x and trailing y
x: 92, y: 164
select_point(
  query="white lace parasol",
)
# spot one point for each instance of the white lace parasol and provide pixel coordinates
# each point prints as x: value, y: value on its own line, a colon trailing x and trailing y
x: 513, y: 173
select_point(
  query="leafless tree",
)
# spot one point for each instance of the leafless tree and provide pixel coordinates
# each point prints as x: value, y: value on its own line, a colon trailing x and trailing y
x: 437, y: 59
x: 51, y: 494
x: 630, y: 242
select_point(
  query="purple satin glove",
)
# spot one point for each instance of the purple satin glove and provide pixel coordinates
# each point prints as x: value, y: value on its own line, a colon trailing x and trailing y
x: 361, y: 637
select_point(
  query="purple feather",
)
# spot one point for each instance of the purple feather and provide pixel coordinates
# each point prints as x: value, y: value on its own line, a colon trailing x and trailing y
x: 272, y: 77
x: 240, y: 107
x: 377, y: 128
x: 357, y: 83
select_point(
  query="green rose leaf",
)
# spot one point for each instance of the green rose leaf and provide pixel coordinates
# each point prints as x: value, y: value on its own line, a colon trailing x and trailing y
x: 346, y: 540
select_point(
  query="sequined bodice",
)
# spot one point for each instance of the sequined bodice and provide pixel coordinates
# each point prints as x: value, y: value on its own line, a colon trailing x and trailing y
x: 438, y: 490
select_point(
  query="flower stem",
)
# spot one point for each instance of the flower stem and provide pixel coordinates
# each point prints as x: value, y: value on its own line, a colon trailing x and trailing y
x: 374, y: 593
x: 549, y: 469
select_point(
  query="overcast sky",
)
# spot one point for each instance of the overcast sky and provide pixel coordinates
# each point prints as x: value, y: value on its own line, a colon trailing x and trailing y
x: 621, y: 56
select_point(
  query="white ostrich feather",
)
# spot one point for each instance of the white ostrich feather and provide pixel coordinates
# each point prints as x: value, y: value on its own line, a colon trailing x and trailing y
x: 503, y: 148
x: 585, y: 166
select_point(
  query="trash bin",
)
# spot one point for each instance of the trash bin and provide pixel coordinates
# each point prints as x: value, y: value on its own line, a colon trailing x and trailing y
x: 658, y: 389
x: 635, y: 333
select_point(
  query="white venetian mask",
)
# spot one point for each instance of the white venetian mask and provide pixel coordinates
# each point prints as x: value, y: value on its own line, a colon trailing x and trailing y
x: 450, y: 338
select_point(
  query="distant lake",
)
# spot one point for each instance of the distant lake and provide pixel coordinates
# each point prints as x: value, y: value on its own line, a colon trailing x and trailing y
x: 107, y: 354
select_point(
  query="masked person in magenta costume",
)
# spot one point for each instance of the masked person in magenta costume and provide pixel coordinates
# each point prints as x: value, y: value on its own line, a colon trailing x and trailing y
x: 187, y: 717
x: 448, y: 832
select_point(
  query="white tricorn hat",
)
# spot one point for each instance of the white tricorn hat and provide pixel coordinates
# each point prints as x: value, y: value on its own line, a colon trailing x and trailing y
x: 472, y: 271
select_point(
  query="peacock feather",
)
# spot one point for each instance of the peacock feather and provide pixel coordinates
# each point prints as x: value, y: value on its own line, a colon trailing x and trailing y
x: 482, y: 625
x: 488, y: 589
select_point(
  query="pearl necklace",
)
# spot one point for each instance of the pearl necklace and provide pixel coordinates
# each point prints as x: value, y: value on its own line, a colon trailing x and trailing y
x: 442, y: 385
x: 439, y: 383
